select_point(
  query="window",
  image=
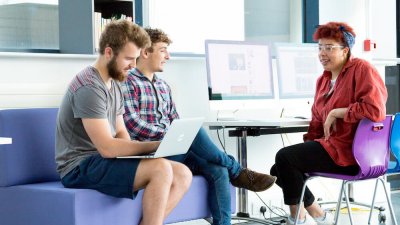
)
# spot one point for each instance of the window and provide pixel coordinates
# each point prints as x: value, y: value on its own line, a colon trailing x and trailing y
x: 191, y: 22
x: 28, y: 25
x: 33, y: 25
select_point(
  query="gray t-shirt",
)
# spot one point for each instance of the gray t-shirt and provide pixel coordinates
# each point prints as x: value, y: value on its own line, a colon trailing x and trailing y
x: 87, y: 97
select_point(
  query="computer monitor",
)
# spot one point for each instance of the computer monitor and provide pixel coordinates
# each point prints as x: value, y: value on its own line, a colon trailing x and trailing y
x: 298, y: 69
x: 239, y: 70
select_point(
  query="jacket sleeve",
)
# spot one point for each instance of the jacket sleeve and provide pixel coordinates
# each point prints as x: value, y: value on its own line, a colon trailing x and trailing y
x: 370, y: 96
x: 315, y: 129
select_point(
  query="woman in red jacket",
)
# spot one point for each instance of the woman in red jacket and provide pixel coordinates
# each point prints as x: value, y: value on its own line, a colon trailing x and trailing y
x: 348, y: 90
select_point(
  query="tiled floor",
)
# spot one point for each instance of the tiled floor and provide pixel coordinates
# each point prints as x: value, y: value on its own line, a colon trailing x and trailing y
x: 360, y: 215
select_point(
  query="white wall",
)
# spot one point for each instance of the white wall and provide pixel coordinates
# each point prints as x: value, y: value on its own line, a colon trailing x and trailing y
x: 188, y: 81
x: 372, y: 19
x: 40, y: 80
x: 37, y: 80
x: 383, y: 27
x: 351, y: 12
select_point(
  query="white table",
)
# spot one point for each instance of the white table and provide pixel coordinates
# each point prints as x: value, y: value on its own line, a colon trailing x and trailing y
x: 243, y: 128
x: 5, y: 141
x: 265, y: 123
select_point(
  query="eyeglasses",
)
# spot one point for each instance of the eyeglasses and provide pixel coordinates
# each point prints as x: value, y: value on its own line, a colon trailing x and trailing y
x: 328, y: 48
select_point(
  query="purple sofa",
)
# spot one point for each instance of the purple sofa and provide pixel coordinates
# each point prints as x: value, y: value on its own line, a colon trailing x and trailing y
x: 31, y: 193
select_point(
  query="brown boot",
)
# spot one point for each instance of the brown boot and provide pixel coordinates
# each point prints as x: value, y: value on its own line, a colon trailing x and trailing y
x: 253, y: 181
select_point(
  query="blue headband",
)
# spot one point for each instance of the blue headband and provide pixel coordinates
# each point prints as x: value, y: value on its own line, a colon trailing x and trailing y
x: 348, y: 37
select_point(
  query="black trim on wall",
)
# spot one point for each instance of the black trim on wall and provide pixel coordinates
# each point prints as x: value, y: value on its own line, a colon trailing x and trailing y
x: 310, y: 19
x: 138, y: 12
x: 30, y: 50
x: 398, y: 28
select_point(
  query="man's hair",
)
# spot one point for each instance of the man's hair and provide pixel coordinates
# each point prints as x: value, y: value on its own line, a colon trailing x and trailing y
x: 118, y: 33
x: 156, y: 36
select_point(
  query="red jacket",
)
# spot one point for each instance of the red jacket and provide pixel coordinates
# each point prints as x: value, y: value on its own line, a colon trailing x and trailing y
x: 361, y: 90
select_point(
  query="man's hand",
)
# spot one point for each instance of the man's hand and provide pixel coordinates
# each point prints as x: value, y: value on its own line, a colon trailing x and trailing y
x: 108, y: 146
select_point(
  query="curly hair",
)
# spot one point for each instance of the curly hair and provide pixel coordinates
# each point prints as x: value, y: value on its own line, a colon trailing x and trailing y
x: 119, y: 32
x: 156, y: 36
x: 334, y: 30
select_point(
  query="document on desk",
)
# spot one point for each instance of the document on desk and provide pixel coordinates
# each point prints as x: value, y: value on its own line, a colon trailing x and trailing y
x: 272, y: 122
x: 5, y: 141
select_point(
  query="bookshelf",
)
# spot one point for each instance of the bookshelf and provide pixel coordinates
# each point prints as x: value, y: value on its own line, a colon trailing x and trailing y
x: 79, y: 21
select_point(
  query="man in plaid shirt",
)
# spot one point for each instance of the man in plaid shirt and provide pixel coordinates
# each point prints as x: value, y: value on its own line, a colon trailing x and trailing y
x: 149, y: 110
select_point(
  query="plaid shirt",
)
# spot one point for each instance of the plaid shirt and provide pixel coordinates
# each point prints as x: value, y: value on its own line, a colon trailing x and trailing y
x: 149, y: 109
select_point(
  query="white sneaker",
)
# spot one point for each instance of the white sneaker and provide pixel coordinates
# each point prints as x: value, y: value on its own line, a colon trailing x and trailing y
x: 307, y: 221
x: 327, y: 220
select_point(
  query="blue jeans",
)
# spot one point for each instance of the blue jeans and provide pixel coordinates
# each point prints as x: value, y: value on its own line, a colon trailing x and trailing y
x: 206, y: 159
x: 205, y: 148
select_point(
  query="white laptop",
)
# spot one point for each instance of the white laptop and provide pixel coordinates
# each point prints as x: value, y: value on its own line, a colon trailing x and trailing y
x: 177, y: 140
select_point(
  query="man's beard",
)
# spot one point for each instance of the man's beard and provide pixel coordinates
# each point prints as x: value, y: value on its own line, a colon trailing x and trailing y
x: 113, y: 71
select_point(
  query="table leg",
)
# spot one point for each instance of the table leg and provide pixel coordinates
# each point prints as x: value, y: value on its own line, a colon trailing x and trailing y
x: 243, y: 213
x: 242, y: 158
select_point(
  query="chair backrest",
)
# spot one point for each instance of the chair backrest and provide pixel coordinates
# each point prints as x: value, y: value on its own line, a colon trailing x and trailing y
x: 395, y: 141
x: 30, y: 157
x: 371, y: 147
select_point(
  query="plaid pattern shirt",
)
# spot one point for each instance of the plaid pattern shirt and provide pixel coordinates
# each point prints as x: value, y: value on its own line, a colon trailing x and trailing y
x: 149, y: 109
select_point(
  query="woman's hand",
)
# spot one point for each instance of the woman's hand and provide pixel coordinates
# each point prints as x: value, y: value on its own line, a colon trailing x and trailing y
x: 330, y: 121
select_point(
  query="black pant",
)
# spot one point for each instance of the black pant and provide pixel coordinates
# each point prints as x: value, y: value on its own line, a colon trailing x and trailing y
x: 291, y: 164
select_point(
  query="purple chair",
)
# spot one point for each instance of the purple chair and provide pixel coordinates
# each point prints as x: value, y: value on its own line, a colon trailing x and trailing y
x: 371, y: 151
